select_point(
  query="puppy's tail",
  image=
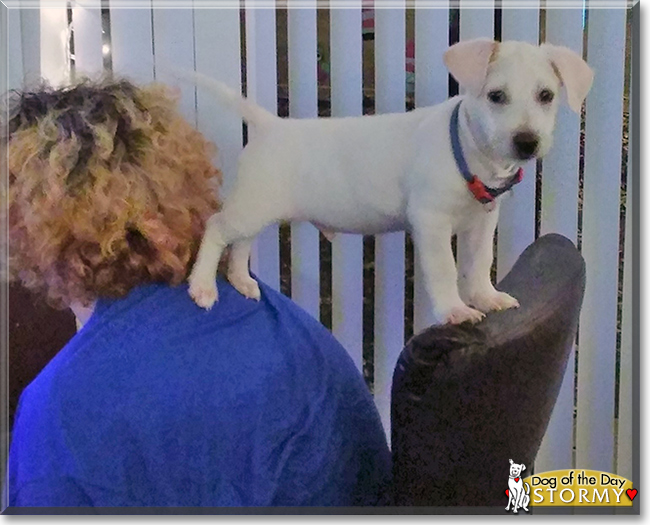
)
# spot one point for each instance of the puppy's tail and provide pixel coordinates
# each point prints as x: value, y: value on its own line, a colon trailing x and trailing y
x: 527, y: 489
x: 249, y: 111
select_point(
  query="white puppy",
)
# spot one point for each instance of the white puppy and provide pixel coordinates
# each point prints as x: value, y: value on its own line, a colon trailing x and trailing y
x: 392, y: 172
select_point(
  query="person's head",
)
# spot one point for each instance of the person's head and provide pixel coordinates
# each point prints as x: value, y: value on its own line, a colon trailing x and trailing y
x: 109, y: 188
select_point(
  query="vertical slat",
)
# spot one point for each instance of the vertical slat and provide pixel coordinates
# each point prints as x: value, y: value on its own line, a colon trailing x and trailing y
x: 559, y: 214
x: 132, y: 43
x: 626, y: 408
x: 517, y: 214
x: 431, y: 87
x: 87, y: 34
x: 14, y: 49
x: 55, y: 66
x: 390, y: 88
x: 5, y: 57
x: 303, y: 103
x: 564, y: 27
x: 475, y: 22
x: 30, y: 33
x: 600, y: 237
x: 173, y: 33
x: 347, y: 250
x: 218, y: 55
x: 262, y: 87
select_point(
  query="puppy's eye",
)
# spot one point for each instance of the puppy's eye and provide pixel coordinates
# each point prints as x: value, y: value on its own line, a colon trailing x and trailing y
x: 497, y: 96
x: 545, y: 96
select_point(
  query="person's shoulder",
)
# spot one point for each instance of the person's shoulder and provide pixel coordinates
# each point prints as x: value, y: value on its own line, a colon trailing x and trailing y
x: 309, y: 346
x: 159, y: 336
x: 298, y: 324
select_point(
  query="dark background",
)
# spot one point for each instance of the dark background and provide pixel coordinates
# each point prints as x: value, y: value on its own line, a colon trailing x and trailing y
x: 36, y: 333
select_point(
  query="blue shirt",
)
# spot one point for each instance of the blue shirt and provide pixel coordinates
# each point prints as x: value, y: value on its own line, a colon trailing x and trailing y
x: 156, y: 402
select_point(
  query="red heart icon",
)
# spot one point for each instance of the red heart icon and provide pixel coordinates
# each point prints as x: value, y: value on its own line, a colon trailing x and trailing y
x: 516, y: 479
x: 507, y: 493
x: 631, y: 493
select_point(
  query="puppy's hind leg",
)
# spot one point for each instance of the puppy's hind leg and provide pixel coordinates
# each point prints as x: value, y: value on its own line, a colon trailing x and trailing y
x: 238, y: 273
x: 235, y: 224
x: 254, y: 203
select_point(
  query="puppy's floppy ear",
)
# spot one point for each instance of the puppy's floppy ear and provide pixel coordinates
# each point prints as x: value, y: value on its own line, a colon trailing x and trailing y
x: 511, y: 462
x: 523, y: 467
x: 574, y: 72
x: 468, y: 62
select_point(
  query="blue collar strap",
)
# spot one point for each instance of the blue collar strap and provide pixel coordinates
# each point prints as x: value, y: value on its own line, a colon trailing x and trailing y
x: 481, y: 192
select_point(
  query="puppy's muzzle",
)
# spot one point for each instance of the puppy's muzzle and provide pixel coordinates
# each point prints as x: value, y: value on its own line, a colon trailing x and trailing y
x: 525, y: 144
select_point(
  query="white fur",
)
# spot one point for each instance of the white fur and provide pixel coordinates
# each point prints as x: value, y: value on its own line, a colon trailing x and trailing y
x: 376, y: 174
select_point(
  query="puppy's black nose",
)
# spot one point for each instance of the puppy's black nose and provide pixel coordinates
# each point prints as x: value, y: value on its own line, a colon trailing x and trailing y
x: 525, y: 143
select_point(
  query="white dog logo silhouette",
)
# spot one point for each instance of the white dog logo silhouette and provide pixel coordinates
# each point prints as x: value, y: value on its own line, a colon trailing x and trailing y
x: 516, y: 493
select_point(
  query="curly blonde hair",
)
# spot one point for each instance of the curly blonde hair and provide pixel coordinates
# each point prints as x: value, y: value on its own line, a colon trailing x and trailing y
x: 109, y: 188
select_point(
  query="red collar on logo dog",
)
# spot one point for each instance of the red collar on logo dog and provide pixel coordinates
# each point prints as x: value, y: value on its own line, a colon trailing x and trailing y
x: 481, y: 192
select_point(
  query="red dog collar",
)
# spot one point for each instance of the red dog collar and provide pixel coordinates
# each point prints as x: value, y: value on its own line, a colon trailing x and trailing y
x: 484, y: 194
x: 481, y: 192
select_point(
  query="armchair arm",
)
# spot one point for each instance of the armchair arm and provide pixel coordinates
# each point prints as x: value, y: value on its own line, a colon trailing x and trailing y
x: 466, y: 399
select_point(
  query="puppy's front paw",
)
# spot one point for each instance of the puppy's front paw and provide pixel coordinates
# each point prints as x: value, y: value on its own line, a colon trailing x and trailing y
x: 493, y: 301
x: 245, y: 285
x: 460, y: 314
x: 203, y: 292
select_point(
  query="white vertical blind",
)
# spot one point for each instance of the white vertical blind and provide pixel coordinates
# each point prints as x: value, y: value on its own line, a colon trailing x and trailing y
x: 517, y: 214
x: 14, y: 53
x: 132, y: 43
x: 560, y: 176
x: 217, y: 38
x: 347, y: 250
x: 261, y: 85
x: 390, y: 90
x: 87, y: 33
x: 4, y: 85
x: 560, y: 181
x: 173, y: 45
x: 477, y: 22
x: 431, y: 87
x: 55, y: 67
x: 600, y: 237
x: 303, y: 103
x: 30, y: 33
